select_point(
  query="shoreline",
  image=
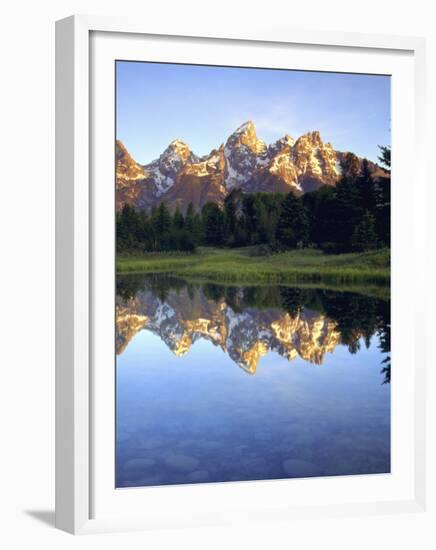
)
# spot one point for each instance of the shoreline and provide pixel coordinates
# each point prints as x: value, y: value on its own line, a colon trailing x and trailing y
x: 238, y: 266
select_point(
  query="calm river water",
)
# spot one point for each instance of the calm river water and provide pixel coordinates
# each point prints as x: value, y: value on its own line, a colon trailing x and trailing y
x: 217, y: 383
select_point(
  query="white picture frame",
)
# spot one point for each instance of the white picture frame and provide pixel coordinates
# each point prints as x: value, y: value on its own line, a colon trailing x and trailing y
x: 78, y: 259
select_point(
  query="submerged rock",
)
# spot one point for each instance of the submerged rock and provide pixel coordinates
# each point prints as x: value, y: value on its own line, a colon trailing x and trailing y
x: 181, y: 462
x: 139, y: 463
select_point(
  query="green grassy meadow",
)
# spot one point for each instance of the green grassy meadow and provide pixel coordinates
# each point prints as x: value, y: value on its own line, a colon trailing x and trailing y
x: 238, y: 265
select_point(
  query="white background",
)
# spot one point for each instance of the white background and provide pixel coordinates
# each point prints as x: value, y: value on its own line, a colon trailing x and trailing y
x: 27, y: 222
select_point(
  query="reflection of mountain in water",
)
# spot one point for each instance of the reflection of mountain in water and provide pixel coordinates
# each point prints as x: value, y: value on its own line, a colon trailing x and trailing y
x: 245, y: 336
x: 248, y: 322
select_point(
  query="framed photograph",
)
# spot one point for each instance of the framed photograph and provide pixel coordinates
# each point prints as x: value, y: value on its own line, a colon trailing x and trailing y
x: 239, y: 275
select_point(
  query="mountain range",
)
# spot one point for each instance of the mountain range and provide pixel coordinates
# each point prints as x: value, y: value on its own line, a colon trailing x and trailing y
x: 243, y: 162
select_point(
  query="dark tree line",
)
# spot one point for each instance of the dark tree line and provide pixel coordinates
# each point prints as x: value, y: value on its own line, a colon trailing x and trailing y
x: 158, y: 231
x: 354, y: 215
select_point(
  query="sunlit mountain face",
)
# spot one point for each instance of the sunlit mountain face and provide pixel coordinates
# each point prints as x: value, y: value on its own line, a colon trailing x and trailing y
x: 248, y: 323
x: 180, y: 177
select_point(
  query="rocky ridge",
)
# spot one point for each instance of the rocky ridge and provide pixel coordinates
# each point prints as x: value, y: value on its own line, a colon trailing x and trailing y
x: 243, y: 162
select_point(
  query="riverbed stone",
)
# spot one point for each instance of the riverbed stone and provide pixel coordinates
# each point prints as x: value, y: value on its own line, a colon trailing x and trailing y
x: 150, y: 443
x: 255, y: 463
x: 181, y: 462
x: 139, y: 463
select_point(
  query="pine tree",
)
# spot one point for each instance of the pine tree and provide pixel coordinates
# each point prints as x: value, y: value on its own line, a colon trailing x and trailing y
x: 292, y: 226
x: 129, y: 228
x: 213, y: 221
x: 261, y: 234
x: 178, y: 219
x: 230, y: 217
x: 161, y: 223
x: 320, y: 206
x: 163, y: 219
x: 366, y: 187
x: 241, y: 237
x: 345, y: 214
x: 249, y: 216
x: 383, y: 210
x: 385, y: 157
x: 383, y: 199
x: 189, y: 219
x: 364, y: 236
x: 185, y: 241
x: 144, y: 230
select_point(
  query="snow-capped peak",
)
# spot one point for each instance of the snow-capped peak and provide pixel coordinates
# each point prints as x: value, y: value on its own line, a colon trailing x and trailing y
x: 313, y: 137
x: 287, y: 140
x: 244, y: 162
x: 177, y: 148
x: 247, y: 126
x: 245, y: 136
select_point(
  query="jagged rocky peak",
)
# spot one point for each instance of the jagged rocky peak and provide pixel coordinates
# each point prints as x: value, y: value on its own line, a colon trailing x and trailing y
x: 180, y: 148
x: 199, y: 182
x: 282, y: 166
x: 244, y: 162
x: 244, y: 153
x: 120, y: 149
x: 211, y: 163
x: 176, y: 155
x: 121, y: 152
x: 247, y: 129
x: 311, y: 142
x: 315, y: 161
x: 287, y: 140
x: 283, y: 144
x: 246, y: 136
x: 313, y: 138
x: 127, y: 169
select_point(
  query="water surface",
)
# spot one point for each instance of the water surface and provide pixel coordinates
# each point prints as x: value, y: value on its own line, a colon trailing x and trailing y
x: 217, y: 383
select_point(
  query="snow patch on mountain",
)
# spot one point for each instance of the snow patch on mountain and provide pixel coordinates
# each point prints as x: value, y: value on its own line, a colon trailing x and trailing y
x: 243, y: 162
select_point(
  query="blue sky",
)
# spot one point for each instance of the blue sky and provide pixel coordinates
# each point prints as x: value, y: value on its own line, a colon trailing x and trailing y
x: 203, y: 105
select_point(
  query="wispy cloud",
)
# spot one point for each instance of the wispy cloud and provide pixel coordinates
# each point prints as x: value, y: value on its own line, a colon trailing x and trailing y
x: 271, y: 120
x: 203, y: 105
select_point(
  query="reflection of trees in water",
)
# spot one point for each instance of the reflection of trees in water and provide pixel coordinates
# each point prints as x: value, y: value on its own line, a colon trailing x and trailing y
x: 384, y: 334
x: 293, y: 300
x: 357, y: 316
x: 214, y: 292
x: 128, y: 286
x: 262, y: 297
x: 233, y: 299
